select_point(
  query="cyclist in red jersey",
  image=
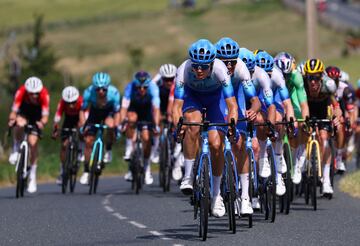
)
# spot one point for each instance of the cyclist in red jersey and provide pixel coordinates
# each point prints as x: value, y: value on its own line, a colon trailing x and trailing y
x: 30, y: 106
x: 70, y: 106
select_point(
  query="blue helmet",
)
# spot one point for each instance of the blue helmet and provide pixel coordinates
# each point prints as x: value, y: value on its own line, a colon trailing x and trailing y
x: 202, y: 52
x: 265, y: 61
x: 226, y: 48
x: 142, y: 78
x: 248, y: 58
x: 101, y: 80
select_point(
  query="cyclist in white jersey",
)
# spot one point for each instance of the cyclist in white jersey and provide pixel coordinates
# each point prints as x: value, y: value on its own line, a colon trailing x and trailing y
x: 228, y: 52
x: 202, y: 82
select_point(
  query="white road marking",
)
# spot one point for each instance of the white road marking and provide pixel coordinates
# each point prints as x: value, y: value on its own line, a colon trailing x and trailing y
x: 119, y: 216
x: 137, y: 224
x: 156, y: 233
x: 109, y: 209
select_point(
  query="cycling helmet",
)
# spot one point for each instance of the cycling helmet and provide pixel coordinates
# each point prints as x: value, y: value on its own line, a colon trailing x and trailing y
x: 313, y: 66
x: 70, y: 94
x: 248, y: 58
x: 284, y: 61
x: 258, y: 51
x: 344, y: 76
x: 101, y: 80
x: 300, y: 67
x: 33, y: 85
x: 202, y: 52
x: 265, y: 61
x: 142, y: 78
x: 226, y: 48
x: 168, y: 71
x: 358, y: 83
x: 333, y: 72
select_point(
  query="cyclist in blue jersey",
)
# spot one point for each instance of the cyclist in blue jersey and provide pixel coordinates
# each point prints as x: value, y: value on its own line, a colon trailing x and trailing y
x: 283, y: 105
x: 103, y: 102
x: 244, y: 91
x: 141, y: 102
x: 203, y: 82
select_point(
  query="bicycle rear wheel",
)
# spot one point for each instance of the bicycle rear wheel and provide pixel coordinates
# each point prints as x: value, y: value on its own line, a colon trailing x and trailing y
x: 137, y: 169
x: 251, y: 182
x: 230, y: 191
x: 163, y: 155
x: 66, y: 169
x: 313, y: 175
x: 20, y: 181
x: 204, y: 197
x: 93, y: 167
x: 271, y: 186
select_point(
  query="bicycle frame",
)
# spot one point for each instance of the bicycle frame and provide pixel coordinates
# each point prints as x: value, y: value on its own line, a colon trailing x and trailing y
x: 24, y: 144
x: 99, y: 142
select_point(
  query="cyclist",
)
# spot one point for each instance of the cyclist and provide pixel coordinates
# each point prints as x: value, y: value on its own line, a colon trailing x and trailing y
x: 262, y: 83
x: 345, y: 95
x: 165, y: 79
x: 201, y: 82
x: 103, y: 101
x: 30, y: 106
x: 69, y: 105
x: 228, y: 52
x: 321, y: 90
x: 141, y: 102
x: 295, y: 84
x: 283, y: 105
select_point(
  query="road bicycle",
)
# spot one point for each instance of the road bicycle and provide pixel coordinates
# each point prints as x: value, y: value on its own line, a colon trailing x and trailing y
x: 203, y: 183
x: 166, y: 156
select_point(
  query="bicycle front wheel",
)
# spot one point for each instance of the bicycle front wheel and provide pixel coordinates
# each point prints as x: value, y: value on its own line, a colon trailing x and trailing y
x: 286, y: 198
x: 271, y: 186
x: 93, y: 172
x: 230, y: 190
x: 20, y: 181
x: 204, y: 197
x: 251, y: 182
x: 313, y: 175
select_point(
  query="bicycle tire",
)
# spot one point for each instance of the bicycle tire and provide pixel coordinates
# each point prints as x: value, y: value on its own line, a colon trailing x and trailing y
x: 74, y: 166
x: 20, y: 183
x: 162, y: 163
x: 204, y: 198
x: 313, y: 174
x: 332, y: 163
x: 93, y: 170
x: 168, y: 169
x: 271, y: 186
x: 287, y: 178
x: 137, y: 169
x: 66, y: 169
x: 230, y: 190
x: 251, y: 183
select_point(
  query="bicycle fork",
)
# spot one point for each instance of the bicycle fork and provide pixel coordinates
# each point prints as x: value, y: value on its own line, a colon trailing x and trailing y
x: 26, y: 159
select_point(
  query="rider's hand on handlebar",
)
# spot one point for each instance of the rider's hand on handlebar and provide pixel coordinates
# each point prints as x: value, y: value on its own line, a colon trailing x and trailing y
x: 337, y: 123
x: 156, y: 130
x: 40, y: 125
x: 251, y: 115
x: 11, y: 122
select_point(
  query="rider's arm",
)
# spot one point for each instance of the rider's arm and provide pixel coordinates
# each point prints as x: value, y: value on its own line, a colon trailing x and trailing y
x: 265, y: 82
x: 59, y: 112
x: 155, y: 101
x: 301, y: 94
x: 45, y: 106
x: 116, y: 108
x: 85, y: 105
x: 125, y: 103
x: 250, y: 93
x: 170, y: 103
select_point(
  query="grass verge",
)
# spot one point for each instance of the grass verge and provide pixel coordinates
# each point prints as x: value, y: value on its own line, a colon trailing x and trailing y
x: 351, y: 184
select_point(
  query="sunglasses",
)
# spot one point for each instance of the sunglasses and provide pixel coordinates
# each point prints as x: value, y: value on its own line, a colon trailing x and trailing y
x: 35, y: 94
x: 141, y: 87
x: 168, y: 79
x: 197, y: 66
x: 230, y: 62
x: 104, y: 89
x: 313, y: 77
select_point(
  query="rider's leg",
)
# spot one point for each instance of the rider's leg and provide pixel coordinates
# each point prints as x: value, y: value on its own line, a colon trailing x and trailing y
x: 89, y: 142
x: 261, y: 133
x: 146, y: 142
x: 130, y: 134
x: 33, y: 147
x: 326, y: 159
x: 110, y: 138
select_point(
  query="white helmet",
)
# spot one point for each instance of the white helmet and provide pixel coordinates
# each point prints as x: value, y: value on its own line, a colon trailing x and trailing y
x: 344, y: 76
x: 33, y: 85
x: 70, y: 94
x: 168, y: 71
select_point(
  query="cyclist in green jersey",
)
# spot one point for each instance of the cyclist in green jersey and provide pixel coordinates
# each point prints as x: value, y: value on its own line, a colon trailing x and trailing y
x: 295, y: 84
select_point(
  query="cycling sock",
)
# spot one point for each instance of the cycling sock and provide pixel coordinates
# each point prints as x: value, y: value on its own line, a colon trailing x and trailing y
x: 86, y: 167
x: 189, y: 167
x: 263, y: 153
x: 244, y: 180
x: 177, y: 150
x: 156, y: 142
x: 33, y: 171
x: 216, y: 183
x: 327, y: 173
x: 147, y: 167
x: 278, y: 147
x: 179, y: 161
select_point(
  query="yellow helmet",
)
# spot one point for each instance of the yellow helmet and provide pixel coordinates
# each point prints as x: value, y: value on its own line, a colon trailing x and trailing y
x: 313, y: 66
x: 257, y: 51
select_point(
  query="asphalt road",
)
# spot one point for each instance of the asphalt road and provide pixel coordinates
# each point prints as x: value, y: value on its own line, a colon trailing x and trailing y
x: 116, y: 216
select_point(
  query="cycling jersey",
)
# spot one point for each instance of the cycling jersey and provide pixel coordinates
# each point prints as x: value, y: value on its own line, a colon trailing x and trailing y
x: 71, y: 113
x: 262, y: 83
x: 207, y: 93
x: 31, y: 109
x: 295, y: 85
